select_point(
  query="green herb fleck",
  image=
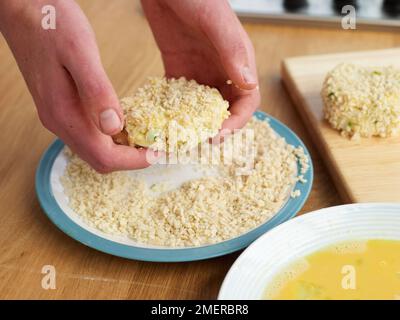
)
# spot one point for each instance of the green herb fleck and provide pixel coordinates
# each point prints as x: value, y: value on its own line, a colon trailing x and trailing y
x: 331, y: 94
x: 152, y: 136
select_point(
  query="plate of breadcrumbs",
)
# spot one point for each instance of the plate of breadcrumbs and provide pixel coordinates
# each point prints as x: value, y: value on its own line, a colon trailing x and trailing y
x: 199, y: 199
x: 184, y: 211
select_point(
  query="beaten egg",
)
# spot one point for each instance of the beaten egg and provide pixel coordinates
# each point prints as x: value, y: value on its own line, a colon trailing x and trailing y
x: 346, y: 271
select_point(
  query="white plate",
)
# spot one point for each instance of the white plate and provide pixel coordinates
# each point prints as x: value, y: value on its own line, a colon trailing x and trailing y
x: 55, y: 204
x: 260, y: 262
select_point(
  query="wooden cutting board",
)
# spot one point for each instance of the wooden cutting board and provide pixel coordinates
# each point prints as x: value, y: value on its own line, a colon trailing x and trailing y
x: 363, y: 171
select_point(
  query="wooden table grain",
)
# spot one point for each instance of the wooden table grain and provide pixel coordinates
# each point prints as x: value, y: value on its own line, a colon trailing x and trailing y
x: 29, y: 241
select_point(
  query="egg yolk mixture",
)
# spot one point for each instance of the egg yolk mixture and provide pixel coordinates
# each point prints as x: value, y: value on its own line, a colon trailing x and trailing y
x: 347, y: 271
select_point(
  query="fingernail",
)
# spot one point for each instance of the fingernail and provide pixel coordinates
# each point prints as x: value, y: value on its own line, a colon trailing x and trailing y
x: 110, y: 121
x: 248, y: 75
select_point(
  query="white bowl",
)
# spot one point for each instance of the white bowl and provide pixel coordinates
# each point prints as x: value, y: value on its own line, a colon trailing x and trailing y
x: 260, y: 262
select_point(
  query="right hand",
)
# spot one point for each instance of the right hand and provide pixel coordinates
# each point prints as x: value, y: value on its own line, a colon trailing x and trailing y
x: 73, y: 95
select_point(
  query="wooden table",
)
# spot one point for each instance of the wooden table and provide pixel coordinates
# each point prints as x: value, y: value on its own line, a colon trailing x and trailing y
x: 28, y: 240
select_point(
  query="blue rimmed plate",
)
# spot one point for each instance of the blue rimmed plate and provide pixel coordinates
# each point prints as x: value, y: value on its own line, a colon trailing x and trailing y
x: 55, y: 205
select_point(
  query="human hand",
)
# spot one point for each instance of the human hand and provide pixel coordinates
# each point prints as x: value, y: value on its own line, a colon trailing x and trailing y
x: 73, y: 95
x: 204, y: 40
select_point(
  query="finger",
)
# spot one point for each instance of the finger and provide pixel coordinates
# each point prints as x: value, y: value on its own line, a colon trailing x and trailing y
x: 70, y: 122
x: 242, y: 109
x: 234, y: 48
x: 130, y: 158
x: 98, y: 149
x: 102, y: 154
x: 81, y: 58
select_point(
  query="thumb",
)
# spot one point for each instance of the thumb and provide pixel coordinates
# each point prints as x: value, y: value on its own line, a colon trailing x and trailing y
x: 96, y: 92
x: 100, y: 100
x: 238, y: 62
x: 232, y: 44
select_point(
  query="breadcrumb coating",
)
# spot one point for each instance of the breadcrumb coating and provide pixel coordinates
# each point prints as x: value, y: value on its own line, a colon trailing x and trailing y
x: 363, y: 101
x: 173, y: 115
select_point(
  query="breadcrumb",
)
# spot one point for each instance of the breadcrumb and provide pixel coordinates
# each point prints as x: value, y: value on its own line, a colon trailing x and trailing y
x: 296, y: 193
x: 201, y: 211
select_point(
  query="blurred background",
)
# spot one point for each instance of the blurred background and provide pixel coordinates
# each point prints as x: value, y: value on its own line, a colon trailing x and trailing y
x: 370, y: 13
